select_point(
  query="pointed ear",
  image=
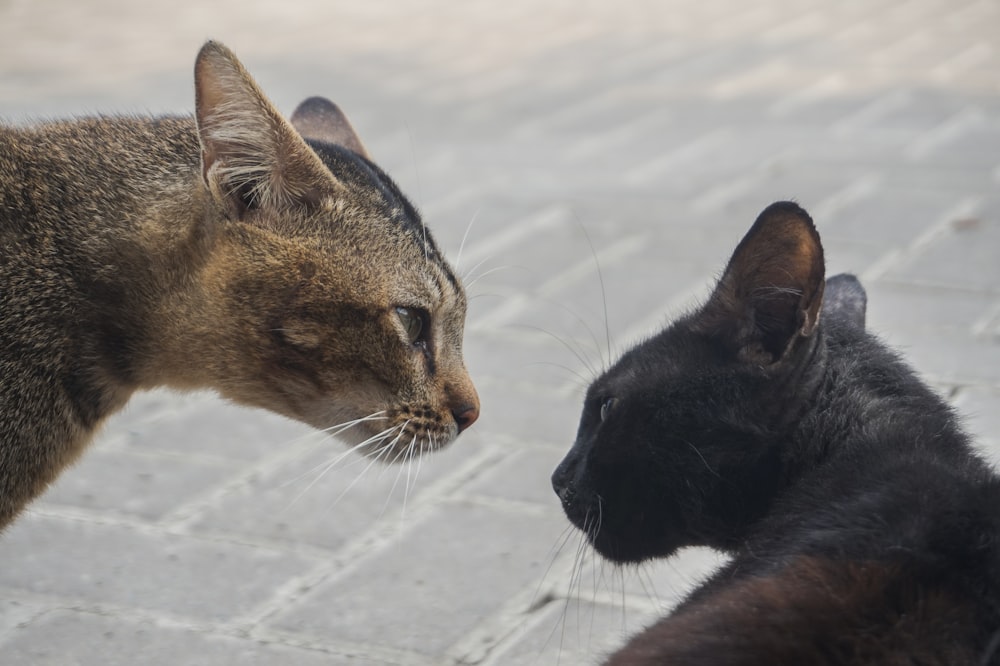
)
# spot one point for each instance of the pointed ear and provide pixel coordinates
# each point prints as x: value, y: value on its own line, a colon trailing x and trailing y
x: 319, y: 119
x: 769, y: 296
x: 251, y: 157
x: 845, y: 299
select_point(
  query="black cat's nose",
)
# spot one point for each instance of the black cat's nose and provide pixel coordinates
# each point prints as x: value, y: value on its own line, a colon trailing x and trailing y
x: 465, y: 415
x: 562, y: 486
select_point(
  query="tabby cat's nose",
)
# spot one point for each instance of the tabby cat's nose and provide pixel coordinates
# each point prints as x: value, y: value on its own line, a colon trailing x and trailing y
x: 465, y: 416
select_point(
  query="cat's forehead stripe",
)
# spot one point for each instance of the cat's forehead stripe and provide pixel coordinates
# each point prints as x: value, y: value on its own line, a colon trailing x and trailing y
x: 348, y: 165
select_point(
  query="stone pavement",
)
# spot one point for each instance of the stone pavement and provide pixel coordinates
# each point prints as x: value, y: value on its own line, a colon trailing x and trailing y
x: 642, y: 137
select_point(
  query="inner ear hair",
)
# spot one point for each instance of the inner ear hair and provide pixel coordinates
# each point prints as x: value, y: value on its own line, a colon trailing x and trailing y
x: 771, y: 291
x: 251, y: 156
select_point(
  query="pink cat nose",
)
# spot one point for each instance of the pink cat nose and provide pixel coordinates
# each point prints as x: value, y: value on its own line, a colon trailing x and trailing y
x: 465, y: 415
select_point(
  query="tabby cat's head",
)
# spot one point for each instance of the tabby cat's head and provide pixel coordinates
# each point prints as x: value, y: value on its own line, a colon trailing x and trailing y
x: 327, y: 298
x: 680, y: 441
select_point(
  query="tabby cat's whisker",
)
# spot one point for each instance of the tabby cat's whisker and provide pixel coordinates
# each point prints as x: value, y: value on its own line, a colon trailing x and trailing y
x: 336, y: 430
x: 465, y: 277
x: 432, y: 444
x: 330, y: 465
x: 322, y: 436
x: 381, y: 451
x: 465, y: 237
x: 327, y: 465
x: 410, y: 453
x: 472, y: 282
x: 395, y: 462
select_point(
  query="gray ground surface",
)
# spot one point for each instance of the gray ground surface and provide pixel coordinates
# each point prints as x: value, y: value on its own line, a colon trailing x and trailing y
x: 195, y: 532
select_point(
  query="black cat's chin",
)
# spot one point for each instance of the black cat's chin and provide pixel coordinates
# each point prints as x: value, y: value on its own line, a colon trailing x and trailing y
x: 622, y: 537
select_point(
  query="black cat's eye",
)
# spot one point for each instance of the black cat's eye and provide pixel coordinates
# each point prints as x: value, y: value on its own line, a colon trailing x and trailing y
x: 606, y: 407
x: 414, y: 324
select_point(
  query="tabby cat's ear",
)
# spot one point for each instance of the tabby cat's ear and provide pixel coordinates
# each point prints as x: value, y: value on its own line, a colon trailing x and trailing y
x: 319, y: 119
x: 769, y: 296
x: 251, y: 157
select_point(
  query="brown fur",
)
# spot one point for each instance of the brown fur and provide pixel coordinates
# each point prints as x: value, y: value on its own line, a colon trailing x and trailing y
x: 218, y: 252
x: 813, y: 611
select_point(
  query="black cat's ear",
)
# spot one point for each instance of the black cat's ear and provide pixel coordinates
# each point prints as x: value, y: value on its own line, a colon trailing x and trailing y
x: 251, y: 157
x: 770, y: 294
x: 845, y: 300
x: 319, y: 119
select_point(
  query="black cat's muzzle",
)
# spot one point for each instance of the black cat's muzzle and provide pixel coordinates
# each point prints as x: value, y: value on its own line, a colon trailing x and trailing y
x: 567, y: 486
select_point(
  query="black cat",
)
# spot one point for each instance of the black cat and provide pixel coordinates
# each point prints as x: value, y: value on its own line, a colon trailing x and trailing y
x: 770, y: 425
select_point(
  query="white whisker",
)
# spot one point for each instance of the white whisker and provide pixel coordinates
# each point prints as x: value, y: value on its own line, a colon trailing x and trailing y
x: 399, y: 470
x: 604, y: 296
x: 578, y: 353
x: 465, y: 237
x: 471, y: 283
x: 383, y: 449
x: 335, y: 430
x: 327, y: 467
x: 409, y: 462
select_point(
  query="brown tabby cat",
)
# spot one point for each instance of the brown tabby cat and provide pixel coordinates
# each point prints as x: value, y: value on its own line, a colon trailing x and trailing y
x: 272, y: 262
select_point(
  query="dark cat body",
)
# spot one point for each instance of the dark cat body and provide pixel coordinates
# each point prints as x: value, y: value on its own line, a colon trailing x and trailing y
x: 771, y: 425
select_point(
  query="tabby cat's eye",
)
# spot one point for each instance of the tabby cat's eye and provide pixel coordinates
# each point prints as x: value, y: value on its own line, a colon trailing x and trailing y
x: 606, y: 407
x: 413, y: 323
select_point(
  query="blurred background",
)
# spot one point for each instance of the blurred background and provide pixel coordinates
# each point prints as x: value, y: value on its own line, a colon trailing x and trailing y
x: 596, y: 163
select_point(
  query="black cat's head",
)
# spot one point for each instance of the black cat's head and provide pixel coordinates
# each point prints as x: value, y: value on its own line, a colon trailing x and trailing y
x: 680, y: 442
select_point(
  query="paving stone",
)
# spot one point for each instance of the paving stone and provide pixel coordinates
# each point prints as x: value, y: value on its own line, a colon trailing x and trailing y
x: 575, y: 632
x: 133, y: 484
x: 124, y: 566
x: 326, y: 497
x: 450, y: 571
x: 112, y: 640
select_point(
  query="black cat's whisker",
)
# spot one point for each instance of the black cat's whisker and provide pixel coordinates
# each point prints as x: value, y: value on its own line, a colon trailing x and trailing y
x: 577, y: 353
x: 584, y: 559
x: 698, y: 453
x: 604, y: 295
x: 583, y: 323
x: 583, y: 380
x: 576, y: 578
x: 554, y: 552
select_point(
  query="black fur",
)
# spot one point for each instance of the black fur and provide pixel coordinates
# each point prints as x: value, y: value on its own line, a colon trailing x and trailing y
x: 771, y: 425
